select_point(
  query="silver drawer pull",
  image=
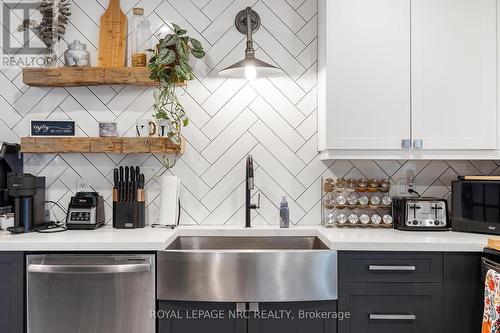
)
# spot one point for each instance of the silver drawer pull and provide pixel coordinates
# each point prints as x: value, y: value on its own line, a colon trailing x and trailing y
x: 89, y: 269
x: 391, y: 268
x: 392, y: 317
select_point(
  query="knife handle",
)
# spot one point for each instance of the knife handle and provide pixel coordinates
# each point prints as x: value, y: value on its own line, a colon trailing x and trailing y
x: 134, y: 191
x: 127, y: 170
x: 141, y: 181
x: 121, y: 197
x: 115, y: 178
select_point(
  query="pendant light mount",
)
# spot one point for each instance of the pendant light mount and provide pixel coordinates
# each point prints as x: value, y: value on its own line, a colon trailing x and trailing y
x: 242, y: 19
x: 248, y: 22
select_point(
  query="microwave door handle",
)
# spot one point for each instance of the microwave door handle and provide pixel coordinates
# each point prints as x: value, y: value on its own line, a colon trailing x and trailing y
x: 89, y: 269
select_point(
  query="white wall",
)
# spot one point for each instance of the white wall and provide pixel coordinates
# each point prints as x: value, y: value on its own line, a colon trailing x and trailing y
x: 273, y: 119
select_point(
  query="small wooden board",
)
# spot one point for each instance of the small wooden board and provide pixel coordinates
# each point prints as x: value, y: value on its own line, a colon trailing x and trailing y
x: 130, y: 145
x: 113, y: 37
x: 480, y: 178
x: 494, y: 243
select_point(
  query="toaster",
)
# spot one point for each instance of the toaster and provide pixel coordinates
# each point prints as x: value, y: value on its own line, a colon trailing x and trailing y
x: 420, y: 214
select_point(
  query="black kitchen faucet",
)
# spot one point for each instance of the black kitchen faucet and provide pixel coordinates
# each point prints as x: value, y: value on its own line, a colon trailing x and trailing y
x: 250, y: 185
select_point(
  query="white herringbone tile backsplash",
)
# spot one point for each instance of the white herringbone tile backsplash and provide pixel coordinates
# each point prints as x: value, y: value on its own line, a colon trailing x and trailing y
x: 273, y: 119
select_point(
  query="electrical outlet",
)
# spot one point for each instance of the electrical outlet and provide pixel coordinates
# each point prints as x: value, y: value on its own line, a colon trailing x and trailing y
x: 403, y: 185
x: 411, y: 184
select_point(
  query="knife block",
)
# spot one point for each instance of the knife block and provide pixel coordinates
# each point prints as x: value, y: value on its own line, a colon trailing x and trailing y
x: 129, y: 214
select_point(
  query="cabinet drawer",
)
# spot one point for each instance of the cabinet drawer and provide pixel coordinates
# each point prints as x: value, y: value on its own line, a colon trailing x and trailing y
x: 390, y: 267
x: 384, y: 308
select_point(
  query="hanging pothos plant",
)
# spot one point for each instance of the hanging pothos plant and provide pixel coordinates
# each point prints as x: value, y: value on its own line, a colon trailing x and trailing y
x: 169, y: 66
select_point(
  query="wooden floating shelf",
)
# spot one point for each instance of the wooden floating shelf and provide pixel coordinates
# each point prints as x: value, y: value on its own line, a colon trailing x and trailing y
x: 87, y: 76
x: 114, y: 145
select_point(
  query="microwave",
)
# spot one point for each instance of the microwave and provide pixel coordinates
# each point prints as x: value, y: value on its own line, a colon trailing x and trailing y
x: 475, y: 205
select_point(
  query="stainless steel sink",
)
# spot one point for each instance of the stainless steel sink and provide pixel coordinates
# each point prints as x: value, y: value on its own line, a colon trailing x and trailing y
x: 247, y: 243
x: 247, y: 269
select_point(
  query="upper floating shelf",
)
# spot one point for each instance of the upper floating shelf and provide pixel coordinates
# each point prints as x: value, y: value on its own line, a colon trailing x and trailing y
x: 86, y: 76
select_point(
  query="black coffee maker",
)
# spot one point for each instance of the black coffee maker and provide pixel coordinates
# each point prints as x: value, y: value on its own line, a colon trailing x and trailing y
x: 28, y: 193
x: 11, y: 161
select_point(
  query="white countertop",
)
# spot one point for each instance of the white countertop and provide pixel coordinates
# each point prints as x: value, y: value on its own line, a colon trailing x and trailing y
x: 104, y: 239
x: 396, y: 240
x: 148, y: 239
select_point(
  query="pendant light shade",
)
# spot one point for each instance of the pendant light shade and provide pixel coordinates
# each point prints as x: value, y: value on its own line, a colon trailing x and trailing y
x: 250, y: 68
x: 248, y: 22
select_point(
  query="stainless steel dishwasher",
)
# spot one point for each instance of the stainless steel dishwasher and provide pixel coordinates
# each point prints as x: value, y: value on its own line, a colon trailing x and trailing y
x: 91, y: 293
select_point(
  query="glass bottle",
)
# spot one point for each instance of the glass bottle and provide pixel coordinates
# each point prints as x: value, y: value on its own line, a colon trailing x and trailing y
x: 140, y: 38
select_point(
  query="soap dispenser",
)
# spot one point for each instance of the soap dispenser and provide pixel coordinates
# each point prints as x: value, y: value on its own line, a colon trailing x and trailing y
x: 284, y: 214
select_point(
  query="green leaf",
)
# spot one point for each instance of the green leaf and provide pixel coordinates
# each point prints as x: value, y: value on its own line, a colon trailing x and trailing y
x: 176, y: 27
x: 196, y: 44
x: 181, y: 32
x: 198, y: 53
x: 185, y: 66
x: 179, y: 47
x: 178, y: 30
x: 180, y: 72
x: 166, y: 57
x: 169, y: 40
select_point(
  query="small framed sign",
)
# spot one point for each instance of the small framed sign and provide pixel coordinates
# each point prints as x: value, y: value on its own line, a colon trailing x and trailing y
x: 52, y: 128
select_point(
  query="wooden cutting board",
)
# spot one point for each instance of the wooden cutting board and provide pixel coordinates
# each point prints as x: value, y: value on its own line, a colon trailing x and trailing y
x: 113, y: 37
x: 494, y: 243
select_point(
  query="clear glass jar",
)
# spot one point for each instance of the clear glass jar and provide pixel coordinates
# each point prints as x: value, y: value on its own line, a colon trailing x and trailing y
x: 140, y: 38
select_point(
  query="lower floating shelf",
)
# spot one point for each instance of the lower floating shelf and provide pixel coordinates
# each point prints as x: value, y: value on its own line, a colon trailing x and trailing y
x: 113, y: 145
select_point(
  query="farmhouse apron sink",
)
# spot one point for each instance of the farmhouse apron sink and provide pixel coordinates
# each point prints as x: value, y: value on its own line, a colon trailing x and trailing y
x: 247, y: 269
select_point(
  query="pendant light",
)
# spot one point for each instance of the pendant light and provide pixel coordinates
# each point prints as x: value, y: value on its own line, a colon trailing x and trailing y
x: 247, y: 22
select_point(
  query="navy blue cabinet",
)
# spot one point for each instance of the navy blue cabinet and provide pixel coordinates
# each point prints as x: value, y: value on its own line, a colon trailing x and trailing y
x: 287, y: 317
x: 405, y: 292
x: 463, y: 293
x: 296, y: 317
x: 195, y: 317
x: 11, y: 292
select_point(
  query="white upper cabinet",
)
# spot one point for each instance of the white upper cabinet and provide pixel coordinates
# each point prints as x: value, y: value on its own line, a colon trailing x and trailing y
x: 364, y: 74
x: 454, y: 77
x: 408, y: 79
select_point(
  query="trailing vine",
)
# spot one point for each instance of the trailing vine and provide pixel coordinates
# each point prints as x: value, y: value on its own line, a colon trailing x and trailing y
x: 169, y: 66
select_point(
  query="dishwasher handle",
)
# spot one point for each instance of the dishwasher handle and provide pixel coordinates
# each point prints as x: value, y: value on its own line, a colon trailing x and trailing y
x: 89, y: 269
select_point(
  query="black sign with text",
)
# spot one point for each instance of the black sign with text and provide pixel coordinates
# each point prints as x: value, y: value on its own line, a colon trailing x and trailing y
x: 52, y: 128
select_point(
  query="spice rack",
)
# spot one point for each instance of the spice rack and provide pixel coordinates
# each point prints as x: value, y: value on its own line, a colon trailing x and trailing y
x: 356, y: 203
